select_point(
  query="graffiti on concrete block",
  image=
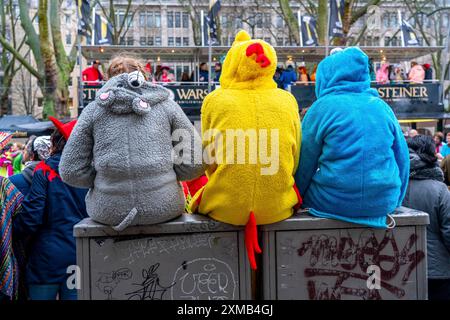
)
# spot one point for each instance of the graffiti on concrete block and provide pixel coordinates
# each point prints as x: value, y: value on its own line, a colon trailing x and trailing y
x: 346, y: 261
x: 150, y: 288
x: 204, y: 279
x: 108, y: 281
x: 141, y: 248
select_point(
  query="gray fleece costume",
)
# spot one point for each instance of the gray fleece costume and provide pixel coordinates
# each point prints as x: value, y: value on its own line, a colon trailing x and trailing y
x: 122, y: 149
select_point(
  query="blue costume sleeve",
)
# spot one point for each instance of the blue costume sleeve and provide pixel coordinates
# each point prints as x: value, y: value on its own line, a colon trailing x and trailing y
x: 31, y: 217
x: 310, y: 151
x: 401, y: 153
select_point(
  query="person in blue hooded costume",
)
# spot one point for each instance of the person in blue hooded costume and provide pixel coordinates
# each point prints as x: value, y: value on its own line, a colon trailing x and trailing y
x: 354, y: 160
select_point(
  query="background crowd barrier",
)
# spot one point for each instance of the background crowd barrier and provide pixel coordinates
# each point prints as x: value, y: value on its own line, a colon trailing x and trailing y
x: 310, y: 258
x: 194, y: 257
x: 407, y: 100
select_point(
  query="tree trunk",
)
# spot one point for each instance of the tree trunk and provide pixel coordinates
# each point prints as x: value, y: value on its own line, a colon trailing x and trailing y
x: 50, y: 73
x: 62, y: 61
x: 4, y: 102
x: 291, y: 21
x: 346, y: 24
x: 322, y: 21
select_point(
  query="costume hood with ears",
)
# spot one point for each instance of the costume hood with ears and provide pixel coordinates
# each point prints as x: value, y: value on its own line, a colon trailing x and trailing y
x: 131, y: 146
x: 64, y: 128
x: 249, y: 64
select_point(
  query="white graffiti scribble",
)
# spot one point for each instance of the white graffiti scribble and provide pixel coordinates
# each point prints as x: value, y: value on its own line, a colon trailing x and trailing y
x: 204, y: 279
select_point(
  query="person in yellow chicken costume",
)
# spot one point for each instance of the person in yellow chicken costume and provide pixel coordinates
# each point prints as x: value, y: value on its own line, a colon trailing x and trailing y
x: 251, y: 131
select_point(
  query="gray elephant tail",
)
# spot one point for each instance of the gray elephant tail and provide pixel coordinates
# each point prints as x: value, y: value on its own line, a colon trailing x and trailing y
x: 127, y: 221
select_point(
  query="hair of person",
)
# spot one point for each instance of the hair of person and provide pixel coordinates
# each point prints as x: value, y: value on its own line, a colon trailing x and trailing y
x: 439, y: 135
x: 30, y: 149
x: 424, y: 131
x: 424, y: 147
x: 125, y: 64
x: 57, y: 141
x: 413, y: 63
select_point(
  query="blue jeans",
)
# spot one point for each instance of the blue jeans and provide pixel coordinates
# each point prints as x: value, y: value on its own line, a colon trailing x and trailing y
x: 49, y: 292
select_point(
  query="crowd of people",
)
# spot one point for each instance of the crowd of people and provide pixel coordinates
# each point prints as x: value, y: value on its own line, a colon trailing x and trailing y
x: 394, y: 73
x: 92, y: 75
x: 287, y: 77
x: 330, y: 163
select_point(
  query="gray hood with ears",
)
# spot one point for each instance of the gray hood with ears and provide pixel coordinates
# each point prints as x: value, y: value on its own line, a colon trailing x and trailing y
x: 122, y: 94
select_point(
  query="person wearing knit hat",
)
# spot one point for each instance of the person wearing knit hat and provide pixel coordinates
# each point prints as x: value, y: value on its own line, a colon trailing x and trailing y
x: 36, y: 150
x: 49, y: 212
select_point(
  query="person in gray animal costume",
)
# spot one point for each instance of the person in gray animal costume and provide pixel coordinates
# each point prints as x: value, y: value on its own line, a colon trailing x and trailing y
x: 123, y: 149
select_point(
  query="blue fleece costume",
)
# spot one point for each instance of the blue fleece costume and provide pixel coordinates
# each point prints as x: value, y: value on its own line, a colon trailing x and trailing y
x: 354, y: 160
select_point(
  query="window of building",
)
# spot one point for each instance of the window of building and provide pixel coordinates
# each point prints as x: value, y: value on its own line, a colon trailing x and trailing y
x: 170, y: 41
x: 142, y: 19
x: 386, y: 20
x: 420, y: 41
x: 393, y: 21
x: 142, y: 41
x: 150, y: 20
x: 279, y: 41
x: 259, y: 20
x: 67, y: 17
x: 150, y: 41
x: 395, y: 41
x: 224, y: 21
x: 186, y: 41
x: 157, y: 20
x: 170, y: 19
x: 445, y: 18
x: 239, y: 23
x: 185, y: 20
x: 178, y: 41
x: 68, y: 39
x: 267, y: 20
x: 369, y: 41
x: 122, y: 41
x: 225, y: 41
x: 387, y: 41
x: 267, y: 40
x: 157, y: 41
x: 130, y: 41
x: 177, y: 19
x: 279, y: 22
x: 251, y: 20
x: 120, y: 16
x: 376, y: 41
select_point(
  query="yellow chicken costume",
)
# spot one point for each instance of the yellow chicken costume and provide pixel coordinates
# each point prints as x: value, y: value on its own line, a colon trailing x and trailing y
x: 249, y: 116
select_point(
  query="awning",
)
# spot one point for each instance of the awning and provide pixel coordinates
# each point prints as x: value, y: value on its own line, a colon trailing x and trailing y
x: 188, y: 54
x: 8, y: 122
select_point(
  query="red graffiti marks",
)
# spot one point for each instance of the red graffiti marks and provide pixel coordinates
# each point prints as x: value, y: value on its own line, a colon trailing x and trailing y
x: 346, y: 259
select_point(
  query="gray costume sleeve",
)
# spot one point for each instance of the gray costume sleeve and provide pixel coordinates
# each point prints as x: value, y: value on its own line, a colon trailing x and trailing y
x: 76, y: 167
x: 187, y: 146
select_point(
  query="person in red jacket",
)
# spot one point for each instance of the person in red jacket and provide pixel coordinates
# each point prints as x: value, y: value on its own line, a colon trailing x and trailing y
x: 92, y: 74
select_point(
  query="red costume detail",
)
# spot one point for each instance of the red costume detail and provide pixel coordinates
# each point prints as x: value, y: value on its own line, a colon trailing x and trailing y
x: 258, y: 50
x: 251, y: 240
x: 47, y: 169
x: 64, y: 128
x: 196, y: 184
x: 299, y: 197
